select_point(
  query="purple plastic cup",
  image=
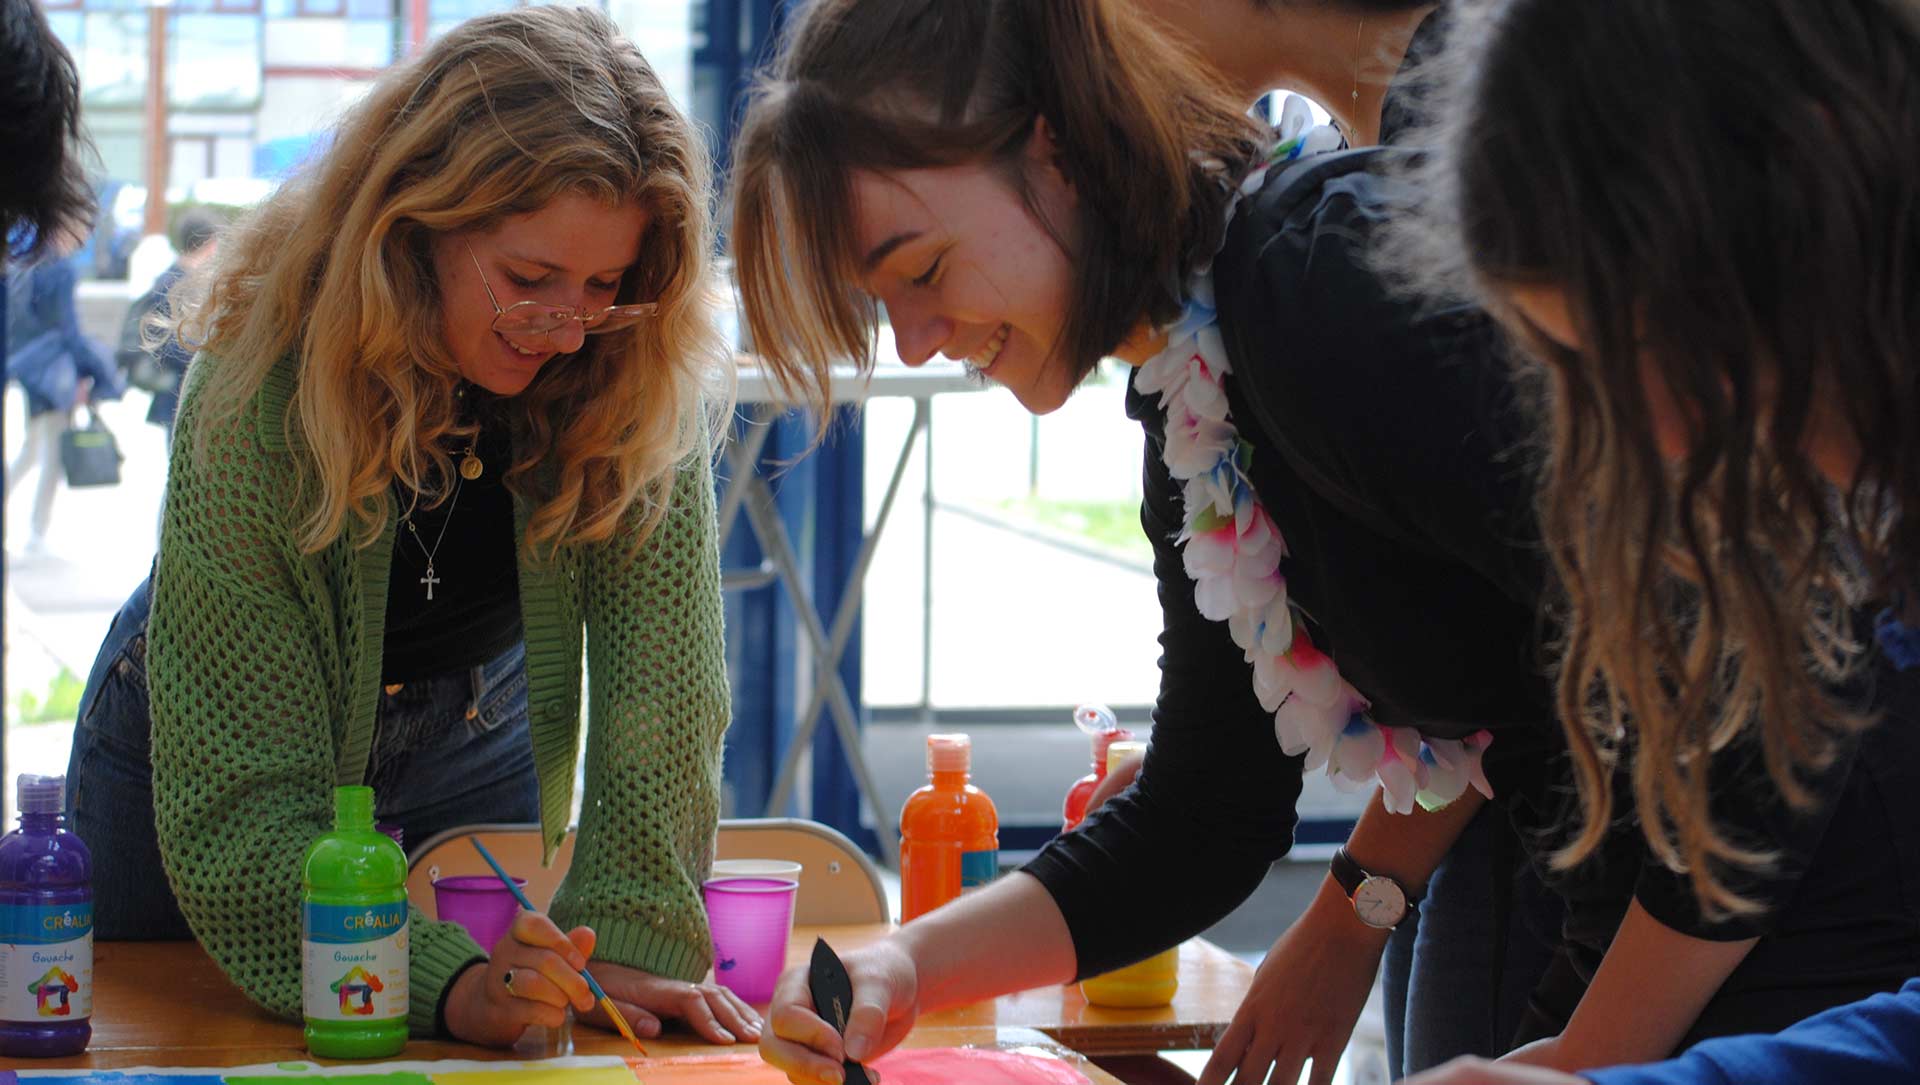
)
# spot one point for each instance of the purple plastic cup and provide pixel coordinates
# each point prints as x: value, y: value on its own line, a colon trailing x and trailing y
x: 752, y: 921
x: 479, y: 903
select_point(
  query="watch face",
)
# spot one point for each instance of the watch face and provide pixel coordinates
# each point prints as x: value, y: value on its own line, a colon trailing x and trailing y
x: 1379, y: 902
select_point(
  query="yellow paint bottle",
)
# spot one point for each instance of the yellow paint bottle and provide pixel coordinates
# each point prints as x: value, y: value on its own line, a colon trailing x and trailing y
x: 1152, y: 982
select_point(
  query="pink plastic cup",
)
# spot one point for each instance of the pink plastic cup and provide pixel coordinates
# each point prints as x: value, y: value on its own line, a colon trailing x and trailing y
x: 479, y: 903
x: 751, y: 920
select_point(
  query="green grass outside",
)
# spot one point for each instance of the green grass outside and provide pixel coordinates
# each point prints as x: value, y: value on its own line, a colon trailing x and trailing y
x: 58, y: 703
x: 1113, y: 526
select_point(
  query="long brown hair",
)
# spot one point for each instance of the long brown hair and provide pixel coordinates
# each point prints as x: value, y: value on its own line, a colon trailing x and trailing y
x: 1144, y: 134
x: 44, y: 187
x: 1728, y: 194
x: 497, y: 118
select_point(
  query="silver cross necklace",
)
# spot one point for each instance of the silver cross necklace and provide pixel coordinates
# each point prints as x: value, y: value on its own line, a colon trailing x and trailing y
x: 431, y: 578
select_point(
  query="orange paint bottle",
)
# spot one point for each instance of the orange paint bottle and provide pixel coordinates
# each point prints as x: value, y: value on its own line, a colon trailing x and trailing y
x: 949, y: 831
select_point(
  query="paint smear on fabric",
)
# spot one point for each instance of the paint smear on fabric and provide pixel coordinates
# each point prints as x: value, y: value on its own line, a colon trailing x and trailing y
x: 401, y: 1077
x: 537, y: 1075
x: 983, y: 1066
x: 918, y: 1066
x: 115, y: 1077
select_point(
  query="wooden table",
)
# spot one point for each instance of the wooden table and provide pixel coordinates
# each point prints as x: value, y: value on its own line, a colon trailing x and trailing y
x: 540, y: 1045
x: 167, y: 1004
x: 1212, y: 983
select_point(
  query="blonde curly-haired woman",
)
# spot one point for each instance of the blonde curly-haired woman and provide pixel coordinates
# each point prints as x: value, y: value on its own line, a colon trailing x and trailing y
x: 453, y: 414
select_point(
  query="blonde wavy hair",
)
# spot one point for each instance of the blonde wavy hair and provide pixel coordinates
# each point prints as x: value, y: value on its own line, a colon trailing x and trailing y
x: 497, y: 118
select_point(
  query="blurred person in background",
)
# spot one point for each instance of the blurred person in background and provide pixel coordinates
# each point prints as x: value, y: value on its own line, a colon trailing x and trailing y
x: 58, y: 368
x: 44, y: 186
x: 152, y: 357
x: 44, y: 196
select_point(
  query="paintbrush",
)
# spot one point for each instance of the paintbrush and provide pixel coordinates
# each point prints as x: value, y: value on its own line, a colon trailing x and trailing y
x: 832, y: 991
x: 599, y: 992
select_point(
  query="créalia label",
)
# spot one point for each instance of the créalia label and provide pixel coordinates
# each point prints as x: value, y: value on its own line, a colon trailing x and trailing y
x: 355, y: 963
x: 46, y: 962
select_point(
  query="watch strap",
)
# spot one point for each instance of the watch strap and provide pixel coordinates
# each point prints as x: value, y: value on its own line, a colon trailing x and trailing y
x: 1346, y: 872
x: 1350, y: 874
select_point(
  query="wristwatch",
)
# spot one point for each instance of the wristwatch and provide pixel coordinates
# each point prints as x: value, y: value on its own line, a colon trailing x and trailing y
x: 1378, y: 900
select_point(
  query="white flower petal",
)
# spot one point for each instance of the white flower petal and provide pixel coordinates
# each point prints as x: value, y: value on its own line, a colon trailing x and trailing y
x: 1296, y: 116
x: 1276, y: 629
x: 1214, y: 597
x: 1212, y: 349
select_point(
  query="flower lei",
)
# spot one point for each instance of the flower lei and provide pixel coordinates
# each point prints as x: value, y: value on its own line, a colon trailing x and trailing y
x: 1233, y: 551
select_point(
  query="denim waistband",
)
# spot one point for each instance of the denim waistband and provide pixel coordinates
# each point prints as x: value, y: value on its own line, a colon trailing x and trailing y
x: 412, y: 714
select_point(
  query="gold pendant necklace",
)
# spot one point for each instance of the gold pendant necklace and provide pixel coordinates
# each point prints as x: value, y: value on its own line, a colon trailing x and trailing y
x: 471, y: 466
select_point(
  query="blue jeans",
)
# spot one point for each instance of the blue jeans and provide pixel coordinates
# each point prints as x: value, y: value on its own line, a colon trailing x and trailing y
x: 449, y: 750
x: 1457, y: 977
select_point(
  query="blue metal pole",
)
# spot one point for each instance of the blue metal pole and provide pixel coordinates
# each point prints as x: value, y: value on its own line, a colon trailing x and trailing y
x: 840, y: 511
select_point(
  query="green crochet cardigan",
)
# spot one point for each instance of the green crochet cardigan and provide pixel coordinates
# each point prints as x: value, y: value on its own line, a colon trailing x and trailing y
x: 264, y: 667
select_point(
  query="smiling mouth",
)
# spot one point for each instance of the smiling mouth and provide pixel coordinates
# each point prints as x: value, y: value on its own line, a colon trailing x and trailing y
x: 982, y: 360
x: 522, y: 351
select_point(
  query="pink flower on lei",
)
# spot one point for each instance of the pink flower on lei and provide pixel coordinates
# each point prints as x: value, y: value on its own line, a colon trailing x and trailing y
x: 1318, y: 704
x: 1234, y: 563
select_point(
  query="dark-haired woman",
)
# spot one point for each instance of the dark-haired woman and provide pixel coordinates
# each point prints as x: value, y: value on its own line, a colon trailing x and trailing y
x: 1720, y: 294
x: 1031, y: 187
x: 1484, y: 910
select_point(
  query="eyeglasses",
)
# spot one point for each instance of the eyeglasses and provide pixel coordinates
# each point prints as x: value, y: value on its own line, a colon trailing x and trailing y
x: 539, y: 323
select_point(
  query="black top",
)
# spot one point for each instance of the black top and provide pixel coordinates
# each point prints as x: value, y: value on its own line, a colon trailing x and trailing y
x: 1388, y: 448
x: 1409, y: 556
x: 474, y: 614
x: 1844, y: 895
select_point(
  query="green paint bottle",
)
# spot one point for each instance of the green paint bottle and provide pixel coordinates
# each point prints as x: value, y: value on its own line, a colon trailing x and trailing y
x: 354, y: 931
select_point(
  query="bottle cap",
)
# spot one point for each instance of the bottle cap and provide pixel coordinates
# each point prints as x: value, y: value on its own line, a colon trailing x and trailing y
x: 1118, y: 752
x: 949, y: 753
x: 1096, y: 719
x: 42, y: 794
x: 353, y: 808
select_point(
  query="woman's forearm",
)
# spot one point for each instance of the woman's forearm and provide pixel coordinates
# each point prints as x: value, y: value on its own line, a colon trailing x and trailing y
x: 1652, y: 984
x: 1006, y: 937
x: 1408, y: 847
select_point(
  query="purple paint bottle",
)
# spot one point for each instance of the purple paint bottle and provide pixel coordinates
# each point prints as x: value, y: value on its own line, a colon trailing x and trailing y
x: 46, y: 928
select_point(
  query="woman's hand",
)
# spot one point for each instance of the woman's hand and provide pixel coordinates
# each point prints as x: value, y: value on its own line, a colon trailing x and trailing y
x: 1305, y: 998
x: 531, y: 979
x: 808, y: 1048
x: 1115, y: 781
x: 1468, y: 1070
x: 716, y: 1014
